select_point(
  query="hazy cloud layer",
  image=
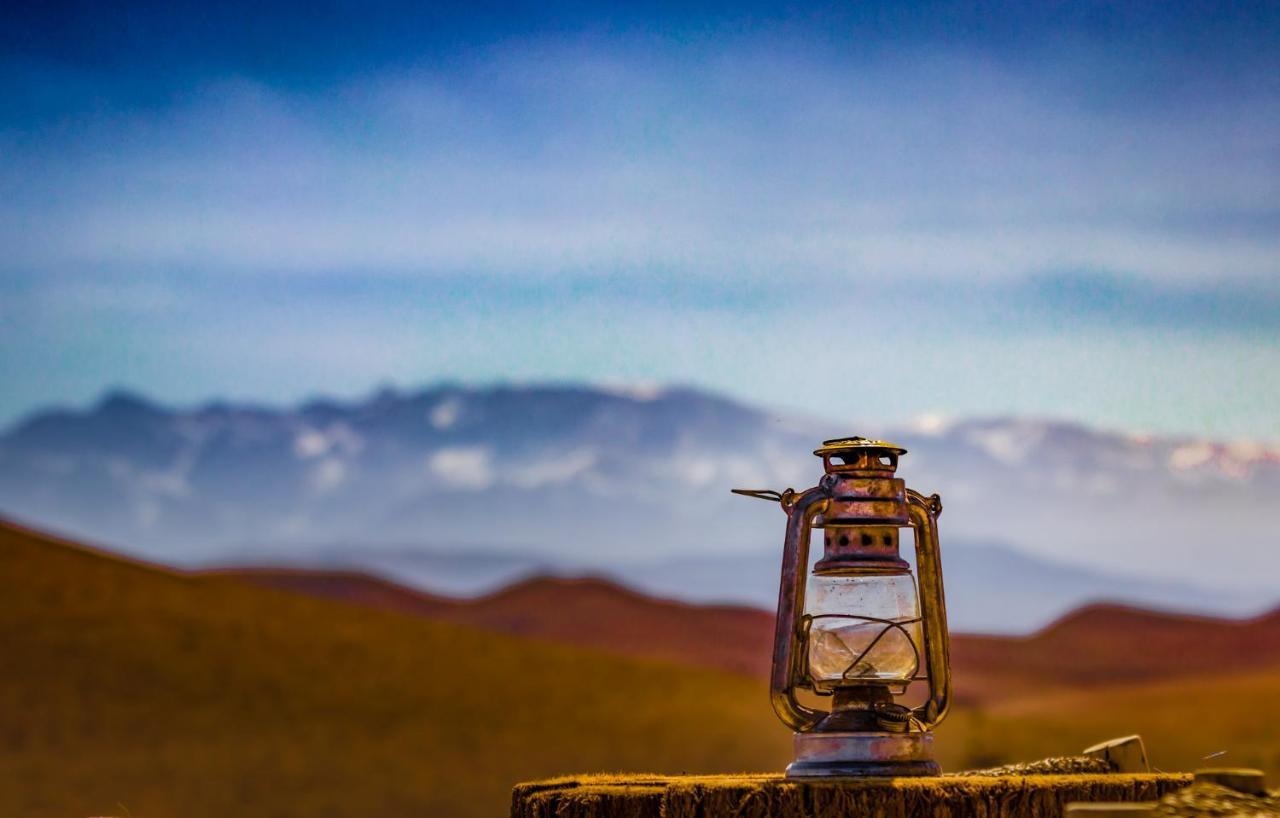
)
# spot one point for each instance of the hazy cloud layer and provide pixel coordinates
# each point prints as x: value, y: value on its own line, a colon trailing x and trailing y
x: 1083, y: 224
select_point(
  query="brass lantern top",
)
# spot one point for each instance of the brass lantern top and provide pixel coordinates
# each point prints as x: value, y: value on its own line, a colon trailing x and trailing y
x: 840, y: 445
x: 859, y: 456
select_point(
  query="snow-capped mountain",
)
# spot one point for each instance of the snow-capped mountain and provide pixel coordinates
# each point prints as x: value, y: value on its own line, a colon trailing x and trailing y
x: 593, y: 479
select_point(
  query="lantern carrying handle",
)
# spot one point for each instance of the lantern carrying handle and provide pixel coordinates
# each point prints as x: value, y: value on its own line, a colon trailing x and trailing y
x: 787, y: 498
x: 760, y: 494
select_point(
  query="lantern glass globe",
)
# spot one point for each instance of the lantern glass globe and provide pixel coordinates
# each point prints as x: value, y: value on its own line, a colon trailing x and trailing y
x: 863, y: 629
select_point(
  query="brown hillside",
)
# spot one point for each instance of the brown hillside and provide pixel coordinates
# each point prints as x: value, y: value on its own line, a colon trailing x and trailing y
x: 1112, y: 644
x: 1096, y: 645
x: 355, y: 587
x: 585, y: 611
x: 135, y: 690
x: 130, y: 689
x: 601, y: 614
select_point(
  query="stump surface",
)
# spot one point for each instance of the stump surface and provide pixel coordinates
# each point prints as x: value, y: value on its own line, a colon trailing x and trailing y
x: 771, y: 796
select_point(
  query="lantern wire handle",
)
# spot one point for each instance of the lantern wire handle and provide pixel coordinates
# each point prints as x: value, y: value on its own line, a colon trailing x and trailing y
x: 760, y: 494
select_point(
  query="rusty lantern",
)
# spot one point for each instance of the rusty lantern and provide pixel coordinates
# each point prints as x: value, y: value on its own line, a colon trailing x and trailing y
x: 854, y: 629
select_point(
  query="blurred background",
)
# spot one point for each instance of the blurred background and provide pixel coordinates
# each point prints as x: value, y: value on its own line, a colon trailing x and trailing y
x: 375, y: 376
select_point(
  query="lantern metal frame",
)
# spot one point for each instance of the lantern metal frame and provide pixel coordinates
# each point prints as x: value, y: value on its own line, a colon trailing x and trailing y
x: 866, y: 733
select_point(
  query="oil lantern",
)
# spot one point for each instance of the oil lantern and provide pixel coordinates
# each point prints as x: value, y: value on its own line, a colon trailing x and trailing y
x: 855, y: 629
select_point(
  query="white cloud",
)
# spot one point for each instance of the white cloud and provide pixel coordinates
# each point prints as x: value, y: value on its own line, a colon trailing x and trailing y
x: 1190, y: 456
x: 551, y: 470
x: 931, y: 424
x: 310, y: 443
x: 463, y: 467
x: 328, y: 475
x: 247, y: 241
x: 563, y: 158
x: 1009, y: 443
x: 171, y: 483
x: 338, y: 438
x: 445, y: 413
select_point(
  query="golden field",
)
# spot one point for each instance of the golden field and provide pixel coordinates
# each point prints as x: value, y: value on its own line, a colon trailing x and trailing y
x: 131, y: 690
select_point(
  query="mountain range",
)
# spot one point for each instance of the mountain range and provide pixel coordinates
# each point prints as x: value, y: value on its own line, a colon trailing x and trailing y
x: 461, y: 489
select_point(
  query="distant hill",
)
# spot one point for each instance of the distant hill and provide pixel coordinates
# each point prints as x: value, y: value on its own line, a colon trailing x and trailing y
x: 590, y: 612
x: 581, y: 479
x: 1095, y: 646
x: 129, y: 689
x: 1109, y: 645
x: 990, y: 588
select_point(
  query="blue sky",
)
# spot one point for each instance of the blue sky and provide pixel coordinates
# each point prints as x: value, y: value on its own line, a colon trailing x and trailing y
x: 871, y: 211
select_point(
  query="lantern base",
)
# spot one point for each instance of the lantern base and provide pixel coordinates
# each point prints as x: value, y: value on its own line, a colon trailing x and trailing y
x: 862, y: 755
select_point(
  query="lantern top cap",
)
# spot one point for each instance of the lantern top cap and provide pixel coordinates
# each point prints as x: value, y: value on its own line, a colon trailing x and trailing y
x: 855, y: 443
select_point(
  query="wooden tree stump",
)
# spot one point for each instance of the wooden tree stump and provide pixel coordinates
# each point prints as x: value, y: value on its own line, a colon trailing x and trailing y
x: 771, y: 796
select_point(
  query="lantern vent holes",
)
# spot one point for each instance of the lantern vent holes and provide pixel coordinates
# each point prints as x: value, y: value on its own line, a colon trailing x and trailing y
x: 863, y: 460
